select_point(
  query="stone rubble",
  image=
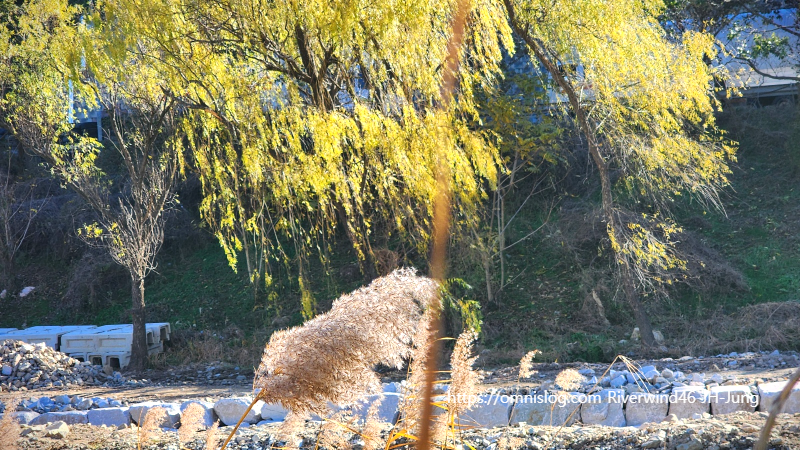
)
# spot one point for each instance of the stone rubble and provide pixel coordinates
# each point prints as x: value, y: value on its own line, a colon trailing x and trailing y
x: 635, y: 402
x: 32, y: 366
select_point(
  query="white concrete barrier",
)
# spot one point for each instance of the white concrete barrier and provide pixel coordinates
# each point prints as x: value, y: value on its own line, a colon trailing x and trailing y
x: 48, y: 335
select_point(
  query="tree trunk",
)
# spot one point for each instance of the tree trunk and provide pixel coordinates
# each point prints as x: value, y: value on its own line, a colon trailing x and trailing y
x: 8, y: 279
x: 487, y: 270
x: 642, y: 320
x: 139, y: 347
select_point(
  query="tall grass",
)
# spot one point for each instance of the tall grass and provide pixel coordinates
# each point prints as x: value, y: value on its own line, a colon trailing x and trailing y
x: 9, y: 428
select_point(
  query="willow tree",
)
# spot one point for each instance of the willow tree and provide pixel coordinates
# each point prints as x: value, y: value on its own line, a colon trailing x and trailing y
x: 644, y: 104
x: 308, y: 116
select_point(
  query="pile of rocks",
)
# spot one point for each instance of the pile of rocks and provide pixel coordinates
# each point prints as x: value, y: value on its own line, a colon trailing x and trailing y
x: 61, y: 403
x: 650, y: 379
x: 30, y: 366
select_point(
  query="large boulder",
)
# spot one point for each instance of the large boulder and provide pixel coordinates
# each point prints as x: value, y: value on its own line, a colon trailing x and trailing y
x: 731, y: 399
x: 68, y: 417
x: 686, y: 401
x: 57, y: 430
x: 230, y: 410
x: 139, y: 411
x: 769, y: 393
x: 209, y: 417
x: 644, y: 407
x: 547, y: 408
x: 25, y: 417
x: 489, y: 411
x: 604, y: 408
x: 110, y: 417
x: 273, y: 412
x: 387, y: 410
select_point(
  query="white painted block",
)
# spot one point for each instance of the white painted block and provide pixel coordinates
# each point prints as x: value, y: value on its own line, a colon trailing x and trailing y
x: 85, y: 341
x: 113, y: 341
x: 3, y: 331
x: 48, y: 335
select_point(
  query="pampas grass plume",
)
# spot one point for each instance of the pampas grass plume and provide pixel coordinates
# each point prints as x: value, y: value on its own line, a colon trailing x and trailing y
x: 191, y: 421
x: 331, y: 357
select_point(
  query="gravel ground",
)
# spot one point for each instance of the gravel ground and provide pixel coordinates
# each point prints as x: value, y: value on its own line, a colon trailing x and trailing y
x: 736, y: 431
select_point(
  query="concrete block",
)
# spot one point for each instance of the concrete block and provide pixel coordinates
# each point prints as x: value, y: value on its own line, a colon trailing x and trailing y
x: 643, y: 407
x: 110, y: 417
x: 68, y: 417
x: 47, y: 335
x: 769, y: 393
x: 230, y: 410
x: 730, y: 399
x: 604, y: 408
x: 547, y: 409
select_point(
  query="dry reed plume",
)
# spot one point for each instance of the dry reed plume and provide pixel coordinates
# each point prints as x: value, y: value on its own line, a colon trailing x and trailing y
x: 336, y: 432
x: 371, y: 431
x: 526, y: 364
x: 212, y: 439
x: 331, y: 357
x: 191, y: 422
x: 569, y: 380
x: 462, y: 393
x: 412, y: 404
x: 464, y: 381
x: 9, y: 428
x: 151, y: 424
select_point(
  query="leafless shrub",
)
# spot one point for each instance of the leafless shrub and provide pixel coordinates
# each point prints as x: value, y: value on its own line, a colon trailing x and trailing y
x: 330, y: 358
x: 765, y: 326
x: 9, y: 428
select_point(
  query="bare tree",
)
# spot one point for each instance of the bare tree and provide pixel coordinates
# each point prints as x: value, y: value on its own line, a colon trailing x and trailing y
x: 143, y: 121
x: 131, y: 224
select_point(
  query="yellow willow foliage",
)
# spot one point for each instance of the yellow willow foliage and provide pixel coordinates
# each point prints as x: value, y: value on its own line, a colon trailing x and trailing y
x: 302, y: 115
x: 37, y: 60
x: 650, y: 102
